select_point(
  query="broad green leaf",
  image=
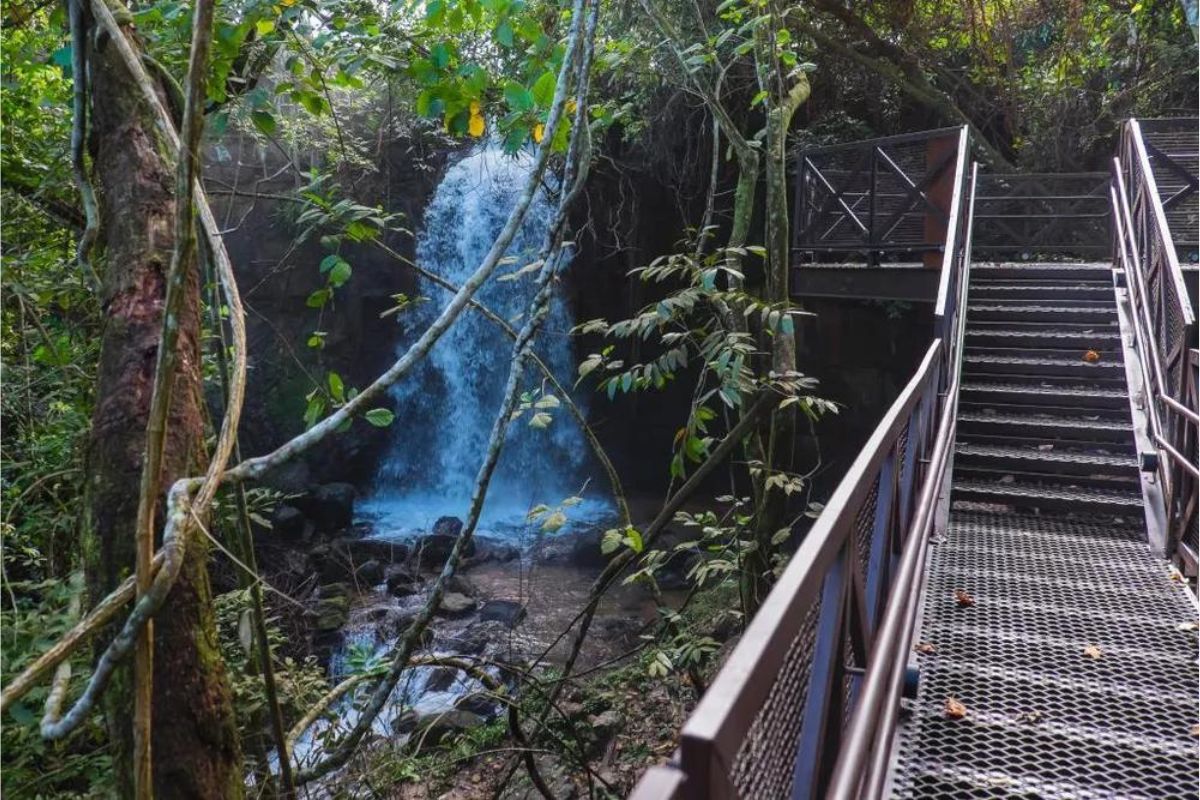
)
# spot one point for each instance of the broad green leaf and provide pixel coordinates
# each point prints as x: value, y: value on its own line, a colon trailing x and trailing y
x: 379, y: 417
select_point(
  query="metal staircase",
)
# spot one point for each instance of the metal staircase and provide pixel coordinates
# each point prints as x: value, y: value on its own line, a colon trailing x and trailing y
x: 997, y: 600
x: 1056, y: 653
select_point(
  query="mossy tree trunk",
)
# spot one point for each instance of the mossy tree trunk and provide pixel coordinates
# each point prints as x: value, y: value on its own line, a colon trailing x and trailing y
x: 194, y: 739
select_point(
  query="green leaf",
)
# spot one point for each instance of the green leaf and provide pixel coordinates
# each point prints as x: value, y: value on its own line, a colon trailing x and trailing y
x: 336, y: 387
x: 540, y: 420
x: 518, y: 97
x: 339, y: 274
x: 543, y: 89
x: 554, y: 522
x: 264, y: 121
x: 328, y: 262
x: 264, y: 26
x: 318, y: 299
x: 379, y: 417
x: 504, y: 33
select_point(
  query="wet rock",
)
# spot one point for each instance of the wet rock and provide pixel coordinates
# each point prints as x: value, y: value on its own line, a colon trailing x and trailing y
x: 579, y: 549
x: 441, y: 725
x: 455, y: 605
x: 475, y: 639
x: 481, y: 705
x: 441, y: 679
x: 491, y: 551
x: 330, y: 506
x: 507, y: 612
x: 400, y: 582
x: 369, y: 574
x: 460, y: 585
x: 433, y: 549
x: 289, y: 524
x: 395, y: 623
x: 361, y: 549
x: 331, y: 614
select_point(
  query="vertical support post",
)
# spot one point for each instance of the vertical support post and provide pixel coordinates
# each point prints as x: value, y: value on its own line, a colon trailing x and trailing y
x: 822, y: 704
x: 940, y: 194
x: 872, y: 234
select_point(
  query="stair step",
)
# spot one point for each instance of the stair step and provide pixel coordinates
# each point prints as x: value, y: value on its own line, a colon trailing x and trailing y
x: 1045, y: 458
x: 1094, y: 380
x: 1020, y: 312
x: 1068, y: 394
x: 1099, y: 338
x: 1038, y: 270
x: 1049, y: 497
x: 1040, y: 290
x: 1078, y: 428
x: 995, y: 363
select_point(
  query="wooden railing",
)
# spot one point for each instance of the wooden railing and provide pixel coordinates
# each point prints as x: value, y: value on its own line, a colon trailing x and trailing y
x: 771, y: 723
x: 1165, y: 337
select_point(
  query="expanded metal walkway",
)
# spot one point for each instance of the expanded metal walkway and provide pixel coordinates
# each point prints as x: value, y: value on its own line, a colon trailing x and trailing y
x: 1057, y: 654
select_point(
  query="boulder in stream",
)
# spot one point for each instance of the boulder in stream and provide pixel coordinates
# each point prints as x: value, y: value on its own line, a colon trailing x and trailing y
x: 508, y: 612
x: 455, y: 605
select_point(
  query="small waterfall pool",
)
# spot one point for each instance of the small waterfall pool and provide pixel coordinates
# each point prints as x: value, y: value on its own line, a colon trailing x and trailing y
x: 445, y: 409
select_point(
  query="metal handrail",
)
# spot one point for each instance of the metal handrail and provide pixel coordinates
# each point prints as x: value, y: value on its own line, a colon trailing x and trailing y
x: 836, y: 589
x: 1160, y: 220
x: 1172, y: 466
x: 872, y: 724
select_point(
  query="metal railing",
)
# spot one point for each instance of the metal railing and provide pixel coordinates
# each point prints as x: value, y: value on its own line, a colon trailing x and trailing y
x: 1165, y: 338
x: 1027, y: 215
x: 878, y: 197
x: 771, y: 723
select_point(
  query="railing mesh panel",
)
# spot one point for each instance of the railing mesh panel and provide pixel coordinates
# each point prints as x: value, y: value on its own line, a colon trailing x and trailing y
x: 765, y: 762
x: 1030, y: 214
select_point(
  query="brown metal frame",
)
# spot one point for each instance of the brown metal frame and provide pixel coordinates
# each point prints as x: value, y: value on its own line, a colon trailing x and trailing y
x: 1165, y: 335
x: 855, y: 197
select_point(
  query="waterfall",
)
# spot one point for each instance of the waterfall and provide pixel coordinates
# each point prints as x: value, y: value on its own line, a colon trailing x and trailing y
x: 445, y: 409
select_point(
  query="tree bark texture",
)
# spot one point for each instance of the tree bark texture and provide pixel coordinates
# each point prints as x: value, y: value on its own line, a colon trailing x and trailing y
x: 195, y: 742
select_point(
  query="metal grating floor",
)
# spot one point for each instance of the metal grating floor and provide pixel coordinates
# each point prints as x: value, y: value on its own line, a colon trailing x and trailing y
x: 1046, y: 715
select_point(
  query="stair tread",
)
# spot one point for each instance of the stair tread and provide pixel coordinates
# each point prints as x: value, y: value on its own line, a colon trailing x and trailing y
x: 991, y: 358
x: 1047, y: 420
x: 1001, y: 451
x: 1041, y: 309
x: 1046, y: 333
x: 1019, y: 388
x: 1131, y: 497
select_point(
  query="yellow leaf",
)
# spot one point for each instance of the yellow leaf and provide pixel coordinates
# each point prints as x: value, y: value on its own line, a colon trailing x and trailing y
x: 571, y: 106
x: 476, y: 125
x: 539, y: 131
x: 1092, y: 651
x: 287, y: 3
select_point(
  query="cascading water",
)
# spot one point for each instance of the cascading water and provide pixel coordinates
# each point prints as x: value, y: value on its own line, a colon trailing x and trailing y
x: 446, y: 407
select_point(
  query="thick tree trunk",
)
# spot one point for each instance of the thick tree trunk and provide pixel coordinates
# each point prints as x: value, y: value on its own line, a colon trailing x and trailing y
x: 195, y: 744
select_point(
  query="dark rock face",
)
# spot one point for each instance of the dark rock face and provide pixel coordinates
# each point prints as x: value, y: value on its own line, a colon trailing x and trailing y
x: 289, y: 524
x: 441, y: 679
x: 433, y: 549
x: 445, y: 724
x: 400, y: 582
x: 580, y: 549
x: 508, y: 612
x: 360, y: 550
x: 330, y: 506
x: 491, y: 551
x: 333, y: 565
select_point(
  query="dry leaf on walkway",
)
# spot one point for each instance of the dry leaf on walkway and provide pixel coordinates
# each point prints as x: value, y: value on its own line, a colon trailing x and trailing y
x: 1030, y: 717
x: 1092, y: 651
x: 926, y: 648
x: 1091, y: 356
x: 1187, y: 626
x: 963, y: 598
x: 955, y: 709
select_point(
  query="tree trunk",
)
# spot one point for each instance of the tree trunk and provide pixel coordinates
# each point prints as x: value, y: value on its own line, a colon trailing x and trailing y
x: 194, y: 739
